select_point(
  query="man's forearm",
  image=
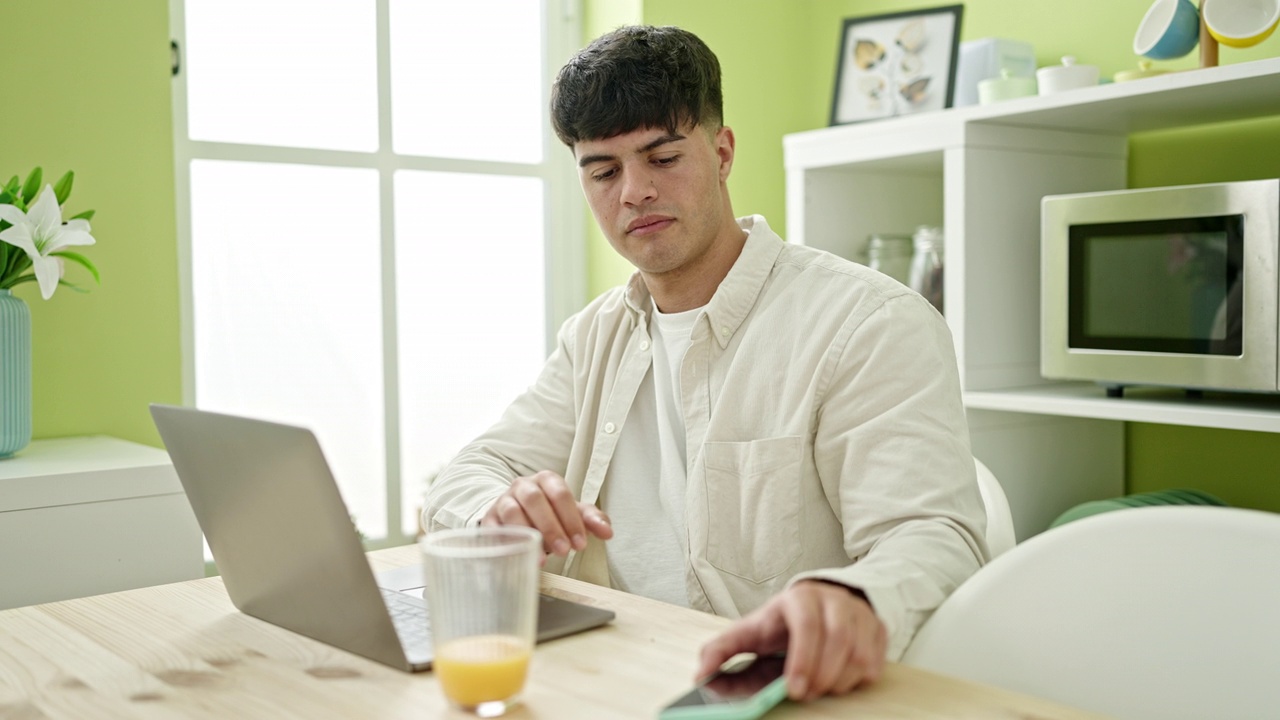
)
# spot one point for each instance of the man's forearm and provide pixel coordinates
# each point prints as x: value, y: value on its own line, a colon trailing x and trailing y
x: 464, y: 490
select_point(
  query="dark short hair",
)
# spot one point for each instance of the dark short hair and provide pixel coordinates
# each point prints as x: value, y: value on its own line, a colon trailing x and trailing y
x: 636, y: 77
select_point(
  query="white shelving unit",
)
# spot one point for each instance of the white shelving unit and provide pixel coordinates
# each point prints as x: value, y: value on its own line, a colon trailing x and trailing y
x: 980, y: 172
x: 89, y: 515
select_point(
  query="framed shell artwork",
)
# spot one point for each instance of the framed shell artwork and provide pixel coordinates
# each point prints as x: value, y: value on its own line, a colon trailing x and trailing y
x: 896, y: 64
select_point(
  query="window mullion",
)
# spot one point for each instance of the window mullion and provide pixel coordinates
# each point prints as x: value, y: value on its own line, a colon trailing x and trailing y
x: 390, y: 354
x: 566, y: 290
x: 182, y: 154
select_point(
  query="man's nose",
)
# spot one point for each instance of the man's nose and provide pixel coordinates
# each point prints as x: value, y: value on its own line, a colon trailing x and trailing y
x: 638, y: 188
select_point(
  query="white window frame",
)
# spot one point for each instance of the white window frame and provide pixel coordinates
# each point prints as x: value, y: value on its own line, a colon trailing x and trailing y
x: 564, y: 227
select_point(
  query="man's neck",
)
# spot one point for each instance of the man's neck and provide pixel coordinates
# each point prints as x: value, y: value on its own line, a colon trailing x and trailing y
x: 693, y: 285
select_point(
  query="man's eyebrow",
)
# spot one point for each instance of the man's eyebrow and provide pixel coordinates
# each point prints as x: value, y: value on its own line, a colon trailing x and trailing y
x: 586, y: 160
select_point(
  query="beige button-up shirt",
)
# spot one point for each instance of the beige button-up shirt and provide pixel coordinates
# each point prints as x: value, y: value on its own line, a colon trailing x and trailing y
x: 825, y: 432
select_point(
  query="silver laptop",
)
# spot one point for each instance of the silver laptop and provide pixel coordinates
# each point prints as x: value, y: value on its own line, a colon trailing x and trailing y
x: 286, y: 547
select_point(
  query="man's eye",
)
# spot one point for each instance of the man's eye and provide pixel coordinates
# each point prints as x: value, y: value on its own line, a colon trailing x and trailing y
x: 666, y: 160
x: 602, y: 176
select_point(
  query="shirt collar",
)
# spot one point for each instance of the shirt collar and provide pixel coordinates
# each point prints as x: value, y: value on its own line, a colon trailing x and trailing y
x: 739, y: 290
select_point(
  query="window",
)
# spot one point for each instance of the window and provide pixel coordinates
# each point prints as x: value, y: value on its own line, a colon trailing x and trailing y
x: 379, y: 233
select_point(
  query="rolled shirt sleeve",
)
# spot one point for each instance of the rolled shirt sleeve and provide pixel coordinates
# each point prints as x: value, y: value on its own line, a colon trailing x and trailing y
x: 892, y: 451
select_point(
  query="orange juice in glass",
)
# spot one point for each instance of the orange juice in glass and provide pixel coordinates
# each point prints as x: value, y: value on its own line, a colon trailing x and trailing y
x: 482, y: 596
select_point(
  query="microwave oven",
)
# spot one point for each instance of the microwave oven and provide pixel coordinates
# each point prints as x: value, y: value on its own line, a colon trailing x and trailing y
x: 1174, y: 286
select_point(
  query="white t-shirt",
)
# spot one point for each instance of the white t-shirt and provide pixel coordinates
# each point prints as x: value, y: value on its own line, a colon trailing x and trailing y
x: 644, y: 488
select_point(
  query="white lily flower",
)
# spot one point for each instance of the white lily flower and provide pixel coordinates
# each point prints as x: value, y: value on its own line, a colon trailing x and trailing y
x: 40, y: 232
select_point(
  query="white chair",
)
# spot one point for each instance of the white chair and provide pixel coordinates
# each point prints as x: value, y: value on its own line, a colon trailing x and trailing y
x: 999, y: 519
x: 1158, y: 612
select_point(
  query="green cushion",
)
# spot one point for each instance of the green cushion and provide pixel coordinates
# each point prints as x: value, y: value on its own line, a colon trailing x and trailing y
x: 1147, y: 499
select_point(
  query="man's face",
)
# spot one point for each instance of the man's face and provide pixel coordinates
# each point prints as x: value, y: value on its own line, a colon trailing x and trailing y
x: 658, y: 196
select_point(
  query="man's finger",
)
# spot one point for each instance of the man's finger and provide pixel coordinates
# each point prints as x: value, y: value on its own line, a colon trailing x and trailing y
x: 763, y: 631
x: 843, y: 633
x: 865, y: 661
x: 533, y: 501
x: 568, y: 516
x: 596, y: 521
x: 506, y: 511
x: 803, y: 617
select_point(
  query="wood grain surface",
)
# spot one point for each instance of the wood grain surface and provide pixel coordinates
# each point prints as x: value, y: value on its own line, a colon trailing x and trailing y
x: 183, y: 651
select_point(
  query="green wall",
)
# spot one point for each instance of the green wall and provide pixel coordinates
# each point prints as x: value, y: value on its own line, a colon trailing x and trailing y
x: 86, y: 88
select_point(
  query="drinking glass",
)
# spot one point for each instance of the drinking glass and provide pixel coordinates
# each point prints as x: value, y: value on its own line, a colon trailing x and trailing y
x: 482, y: 597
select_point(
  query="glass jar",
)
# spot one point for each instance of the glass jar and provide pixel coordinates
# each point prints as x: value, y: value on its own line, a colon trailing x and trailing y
x: 926, y: 272
x: 891, y: 255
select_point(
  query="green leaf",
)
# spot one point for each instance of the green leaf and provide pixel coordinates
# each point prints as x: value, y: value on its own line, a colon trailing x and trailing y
x: 86, y: 215
x: 32, y: 186
x: 14, y: 186
x: 10, y: 267
x: 76, y: 288
x: 62, y: 189
x: 19, y: 262
x: 12, y: 197
x: 32, y: 278
x: 82, y: 260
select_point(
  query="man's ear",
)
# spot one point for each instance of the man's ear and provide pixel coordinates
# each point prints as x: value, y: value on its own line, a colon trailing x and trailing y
x: 724, y: 141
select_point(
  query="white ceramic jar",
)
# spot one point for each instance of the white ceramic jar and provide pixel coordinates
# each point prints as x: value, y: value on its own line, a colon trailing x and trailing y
x: 1067, y: 76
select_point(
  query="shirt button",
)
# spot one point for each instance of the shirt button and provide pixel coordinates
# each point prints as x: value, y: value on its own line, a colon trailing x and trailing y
x: 724, y: 331
x: 644, y: 345
x: 609, y: 428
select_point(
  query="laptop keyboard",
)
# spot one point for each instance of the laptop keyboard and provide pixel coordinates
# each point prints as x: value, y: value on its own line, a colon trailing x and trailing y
x: 409, y: 616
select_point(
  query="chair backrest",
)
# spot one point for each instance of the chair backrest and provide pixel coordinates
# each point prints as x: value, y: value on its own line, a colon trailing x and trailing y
x: 1159, y: 612
x: 999, y: 519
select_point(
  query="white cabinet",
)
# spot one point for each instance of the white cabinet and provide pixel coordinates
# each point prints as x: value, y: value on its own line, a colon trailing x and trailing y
x: 90, y: 515
x: 980, y: 172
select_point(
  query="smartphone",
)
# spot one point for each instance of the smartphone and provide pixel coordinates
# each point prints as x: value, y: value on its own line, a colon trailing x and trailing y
x: 742, y: 691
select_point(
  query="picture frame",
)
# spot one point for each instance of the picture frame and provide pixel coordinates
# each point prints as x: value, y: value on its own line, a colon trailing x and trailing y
x: 896, y: 64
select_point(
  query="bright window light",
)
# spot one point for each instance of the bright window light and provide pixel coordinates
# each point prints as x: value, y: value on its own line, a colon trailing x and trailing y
x: 470, y: 286
x: 329, y: 149
x: 467, y: 78
x: 286, y: 278
x: 296, y: 73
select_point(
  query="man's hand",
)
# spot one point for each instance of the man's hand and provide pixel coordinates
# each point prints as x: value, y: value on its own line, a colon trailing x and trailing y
x: 544, y: 503
x: 833, y: 639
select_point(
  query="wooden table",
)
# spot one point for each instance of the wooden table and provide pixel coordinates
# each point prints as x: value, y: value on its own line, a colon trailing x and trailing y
x: 182, y: 650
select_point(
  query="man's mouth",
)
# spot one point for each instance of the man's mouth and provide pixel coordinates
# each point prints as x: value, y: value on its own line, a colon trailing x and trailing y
x: 648, y: 224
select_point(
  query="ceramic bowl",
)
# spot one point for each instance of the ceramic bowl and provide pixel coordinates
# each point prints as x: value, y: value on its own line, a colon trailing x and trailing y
x: 1241, y: 23
x: 1170, y: 29
x: 1067, y: 76
x: 1005, y: 87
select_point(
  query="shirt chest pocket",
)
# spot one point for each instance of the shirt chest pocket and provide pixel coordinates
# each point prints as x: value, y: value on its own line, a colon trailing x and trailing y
x: 753, y: 502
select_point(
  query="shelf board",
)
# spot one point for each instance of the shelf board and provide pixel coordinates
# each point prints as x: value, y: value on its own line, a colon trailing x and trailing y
x: 78, y: 470
x: 1227, y: 411
x: 1173, y: 100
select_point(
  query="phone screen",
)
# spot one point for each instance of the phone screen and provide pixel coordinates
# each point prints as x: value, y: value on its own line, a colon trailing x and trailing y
x: 735, y: 684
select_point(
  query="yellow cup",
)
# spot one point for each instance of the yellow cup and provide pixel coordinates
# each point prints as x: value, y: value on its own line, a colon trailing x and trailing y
x: 1240, y: 23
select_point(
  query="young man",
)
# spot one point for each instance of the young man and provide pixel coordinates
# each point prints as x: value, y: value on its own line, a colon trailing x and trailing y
x: 748, y: 428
